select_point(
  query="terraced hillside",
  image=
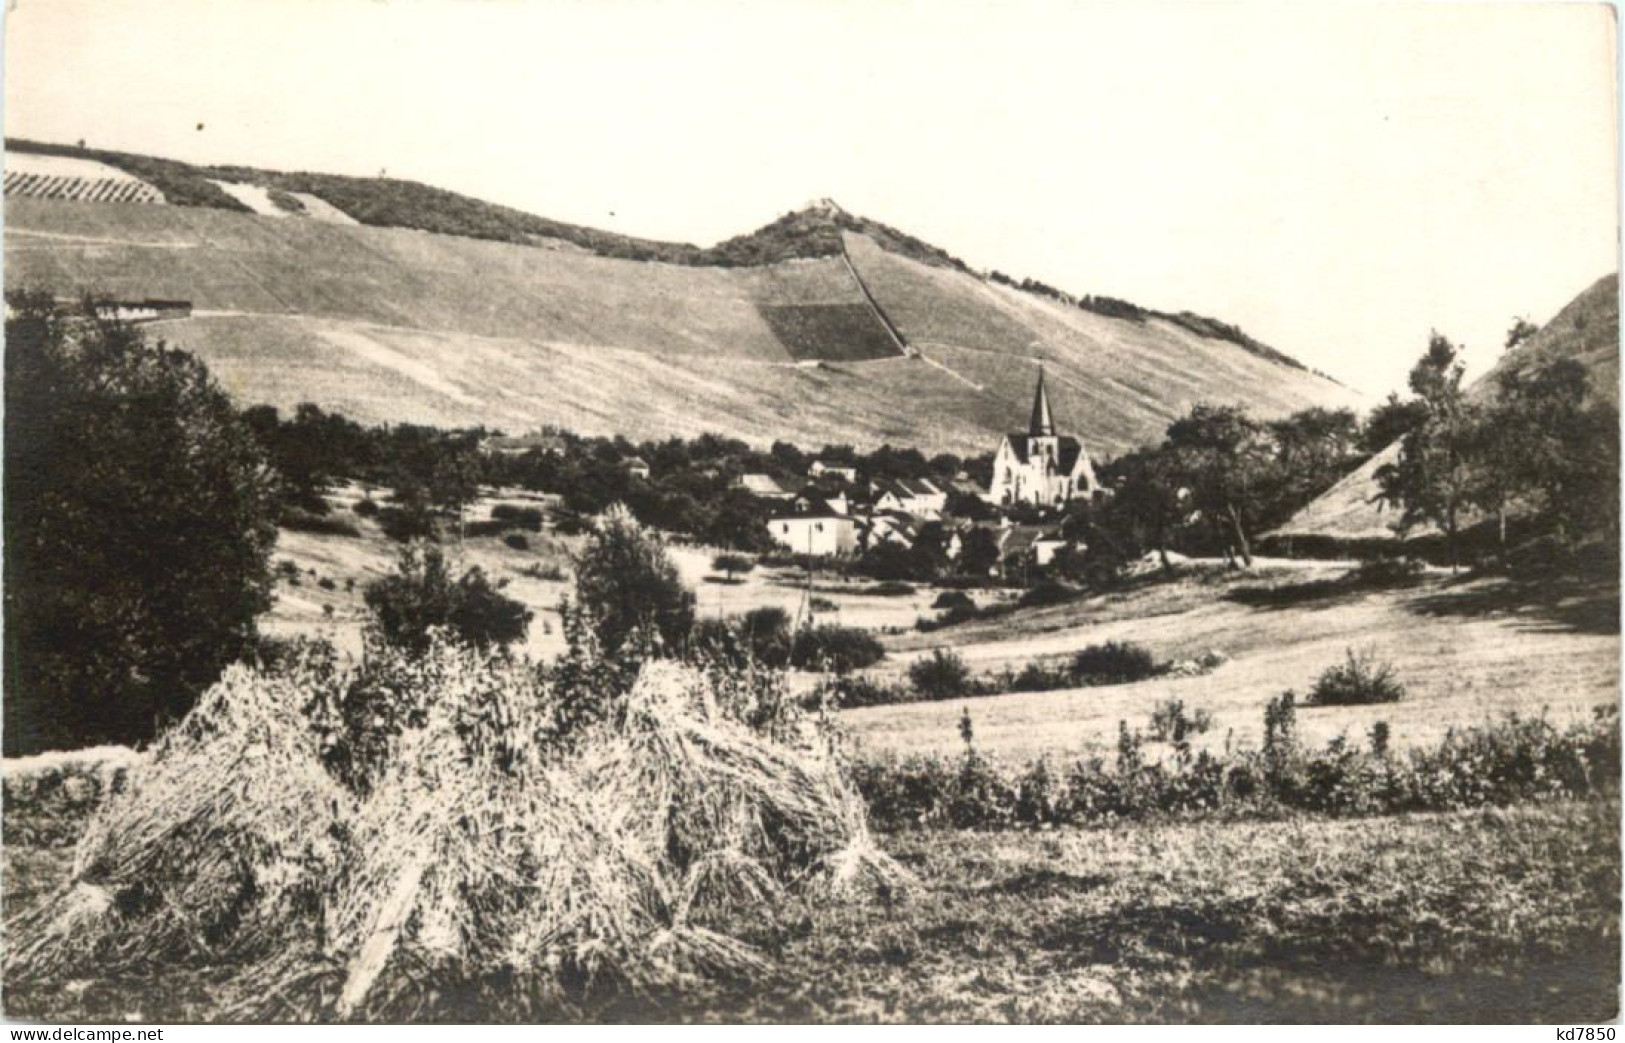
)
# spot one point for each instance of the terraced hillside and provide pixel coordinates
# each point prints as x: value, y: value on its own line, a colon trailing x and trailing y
x: 393, y: 324
x: 1587, y: 330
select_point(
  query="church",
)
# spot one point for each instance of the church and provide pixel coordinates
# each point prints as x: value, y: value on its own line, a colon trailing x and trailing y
x: 1041, y: 467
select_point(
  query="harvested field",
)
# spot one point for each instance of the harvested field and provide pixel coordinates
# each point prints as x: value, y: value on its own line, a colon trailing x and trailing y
x: 1486, y: 916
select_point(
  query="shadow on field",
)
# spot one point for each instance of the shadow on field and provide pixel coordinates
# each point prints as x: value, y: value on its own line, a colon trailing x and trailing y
x: 1313, y: 594
x: 1576, y: 987
x: 1549, y: 604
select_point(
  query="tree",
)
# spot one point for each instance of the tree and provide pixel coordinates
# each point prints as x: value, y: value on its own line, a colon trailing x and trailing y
x: 1226, y: 458
x: 1144, y: 509
x: 1432, y: 479
x: 422, y: 595
x: 732, y: 564
x: 139, y: 518
x: 1543, y: 441
x: 978, y: 552
x: 1313, y: 448
x: 1520, y: 330
x: 629, y: 589
x: 1390, y: 421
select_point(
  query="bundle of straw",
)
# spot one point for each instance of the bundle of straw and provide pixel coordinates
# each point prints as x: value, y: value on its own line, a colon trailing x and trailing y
x: 481, y: 850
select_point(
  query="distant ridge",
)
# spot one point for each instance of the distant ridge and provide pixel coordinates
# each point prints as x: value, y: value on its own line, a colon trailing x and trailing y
x: 813, y: 231
x: 820, y: 327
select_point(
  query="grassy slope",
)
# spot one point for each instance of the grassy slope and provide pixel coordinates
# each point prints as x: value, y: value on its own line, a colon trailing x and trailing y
x: 1117, y: 383
x: 391, y: 325
x: 1467, y: 650
x: 1587, y: 329
x: 1492, y: 916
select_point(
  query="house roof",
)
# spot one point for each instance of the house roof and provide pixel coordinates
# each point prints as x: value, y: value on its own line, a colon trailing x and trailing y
x: 819, y: 513
x: 763, y: 485
x: 1021, y: 538
x: 908, y: 488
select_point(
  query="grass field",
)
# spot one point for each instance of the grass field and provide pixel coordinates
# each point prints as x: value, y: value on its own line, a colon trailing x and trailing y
x: 1492, y: 916
x: 333, y: 571
x: 1467, y: 650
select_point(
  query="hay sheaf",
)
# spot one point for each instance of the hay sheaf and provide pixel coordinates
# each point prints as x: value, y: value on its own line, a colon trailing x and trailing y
x: 484, y: 848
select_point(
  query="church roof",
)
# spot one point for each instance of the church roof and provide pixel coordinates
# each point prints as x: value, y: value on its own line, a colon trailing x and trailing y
x: 1043, y: 422
x: 1070, y: 449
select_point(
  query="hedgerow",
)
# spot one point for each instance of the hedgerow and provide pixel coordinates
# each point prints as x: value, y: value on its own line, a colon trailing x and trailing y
x: 1515, y: 759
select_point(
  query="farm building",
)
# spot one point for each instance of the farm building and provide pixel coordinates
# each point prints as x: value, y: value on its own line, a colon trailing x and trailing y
x: 845, y: 472
x: 764, y: 486
x: 518, y: 445
x: 637, y: 467
x: 919, y: 496
x: 1041, y: 467
x: 820, y: 533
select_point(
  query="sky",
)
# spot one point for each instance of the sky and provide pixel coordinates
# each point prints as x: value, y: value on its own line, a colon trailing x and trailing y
x: 1336, y: 179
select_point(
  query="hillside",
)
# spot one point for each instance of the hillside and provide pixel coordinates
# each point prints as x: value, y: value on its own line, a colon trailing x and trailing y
x: 806, y: 330
x: 1587, y: 329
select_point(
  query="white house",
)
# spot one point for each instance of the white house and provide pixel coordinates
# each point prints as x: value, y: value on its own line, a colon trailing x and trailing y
x: 821, y: 534
x: 810, y: 499
x: 1041, y: 467
x: 1031, y: 541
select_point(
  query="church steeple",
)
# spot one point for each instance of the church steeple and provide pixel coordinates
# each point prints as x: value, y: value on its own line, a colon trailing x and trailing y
x: 1042, y: 424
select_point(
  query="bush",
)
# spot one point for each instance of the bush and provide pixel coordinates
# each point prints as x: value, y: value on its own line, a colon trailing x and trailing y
x: 851, y: 690
x: 518, y: 517
x: 1387, y: 572
x: 550, y: 571
x: 627, y: 585
x: 732, y: 565
x: 1169, y: 722
x: 1511, y: 760
x: 1115, y: 662
x: 296, y: 519
x: 422, y: 595
x: 1046, y: 592
x: 1036, y: 677
x: 942, y: 675
x: 327, y: 584
x: 891, y: 589
x: 837, y: 649
x: 766, y: 633
x: 140, y: 516
x: 404, y: 524
x: 516, y: 541
x: 366, y: 508
x: 954, y: 599
x: 1359, y: 680
x: 821, y: 604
